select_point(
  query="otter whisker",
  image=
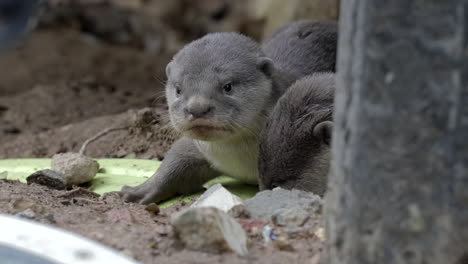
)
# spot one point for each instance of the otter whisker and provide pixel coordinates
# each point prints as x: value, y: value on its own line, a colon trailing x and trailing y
x: 158, y: 96
x: 161, y: 81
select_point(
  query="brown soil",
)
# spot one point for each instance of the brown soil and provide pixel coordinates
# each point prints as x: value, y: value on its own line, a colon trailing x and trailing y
x: 61, y: 90
x: 143, y: 235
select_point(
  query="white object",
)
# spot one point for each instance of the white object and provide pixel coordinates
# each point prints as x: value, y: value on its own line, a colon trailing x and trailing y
x: 54, y: 244
x: 219, y: 197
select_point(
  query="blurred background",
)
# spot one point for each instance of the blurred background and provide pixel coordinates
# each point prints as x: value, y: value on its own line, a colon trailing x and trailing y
x: 91, y: 65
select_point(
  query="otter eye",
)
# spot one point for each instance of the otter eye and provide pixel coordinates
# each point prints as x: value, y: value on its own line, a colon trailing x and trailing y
x: 177, y: 90
x: 227, y: 88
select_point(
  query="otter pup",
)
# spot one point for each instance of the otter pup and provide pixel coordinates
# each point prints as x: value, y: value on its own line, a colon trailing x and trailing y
x: 220, y: 90
x: 295, y: 143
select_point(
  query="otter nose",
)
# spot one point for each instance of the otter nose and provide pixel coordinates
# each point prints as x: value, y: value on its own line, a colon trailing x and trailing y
x: 199, y: 110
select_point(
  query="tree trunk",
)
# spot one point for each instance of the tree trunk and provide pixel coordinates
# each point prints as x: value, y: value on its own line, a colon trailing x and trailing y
x: 398, y: 190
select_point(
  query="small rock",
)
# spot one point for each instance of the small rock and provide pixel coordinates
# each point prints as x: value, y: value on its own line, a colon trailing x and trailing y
x: 121, y: 153
x: 131, y: 155
x: 219, y: 197
x: 28, y: 213
x: 49, y: 178
x: 283, y: 243
x: 50, y: 217
x: 22, y: 205
x: 153, y: 208
x: 265, y: 204
x: 77, y: 168
x: 209, y: 229
x: 320, y: 233
x: 239, y: 211
x: 78, y: 192
x: 65, y: 202
x: 294, y: 216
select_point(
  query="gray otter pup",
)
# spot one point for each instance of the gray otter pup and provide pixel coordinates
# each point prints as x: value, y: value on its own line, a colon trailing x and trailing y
x: 220, y: 90
x: 295, y: 143
x: 304, y: 47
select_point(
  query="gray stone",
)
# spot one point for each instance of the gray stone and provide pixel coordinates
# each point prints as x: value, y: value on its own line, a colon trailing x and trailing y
x: 28, y: 213
x: 292, y: 217
x: 266, y: 204
x: 209, y: 229
x: 76, y: 167
x: 239, y: 211
x: 49, y: 178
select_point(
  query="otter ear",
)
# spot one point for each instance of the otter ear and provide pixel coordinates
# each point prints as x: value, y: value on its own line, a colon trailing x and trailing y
x: 265, y: 65
x: 323, y: 130
x: 168, y: 69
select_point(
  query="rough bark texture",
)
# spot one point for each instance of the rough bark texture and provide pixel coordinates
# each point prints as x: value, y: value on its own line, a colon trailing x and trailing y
x: 398, y: 190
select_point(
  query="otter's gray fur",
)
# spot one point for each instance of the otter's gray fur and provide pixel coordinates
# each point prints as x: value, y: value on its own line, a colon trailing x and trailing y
x: 220, y: 91
x: 295, y: 143
x: 303, y: 47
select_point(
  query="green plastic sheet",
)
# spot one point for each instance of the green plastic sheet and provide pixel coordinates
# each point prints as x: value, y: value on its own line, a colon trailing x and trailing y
x: 114, y: 173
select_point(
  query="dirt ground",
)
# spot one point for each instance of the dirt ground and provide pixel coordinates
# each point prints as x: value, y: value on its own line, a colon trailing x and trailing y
x: 60, y: 90
x: 141, y: 234
x: 74, y: 77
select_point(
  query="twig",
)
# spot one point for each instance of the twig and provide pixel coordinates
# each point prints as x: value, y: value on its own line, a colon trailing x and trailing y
x: 97, y: 136
x: 79, y: 199
x: 77, y: 191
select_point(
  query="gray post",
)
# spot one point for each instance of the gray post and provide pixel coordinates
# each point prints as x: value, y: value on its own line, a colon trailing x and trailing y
x: 398, y: 190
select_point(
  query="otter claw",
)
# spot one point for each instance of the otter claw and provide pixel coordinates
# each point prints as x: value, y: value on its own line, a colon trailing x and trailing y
x: 141, y: 195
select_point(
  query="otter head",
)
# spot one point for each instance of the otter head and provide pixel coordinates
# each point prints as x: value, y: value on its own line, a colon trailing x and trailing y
x: 218, y: 87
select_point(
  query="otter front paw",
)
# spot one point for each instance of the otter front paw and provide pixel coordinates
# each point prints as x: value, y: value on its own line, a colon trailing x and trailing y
x: 142, y: 194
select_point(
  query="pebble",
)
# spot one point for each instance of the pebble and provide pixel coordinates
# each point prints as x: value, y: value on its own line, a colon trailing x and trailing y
x: 28, y: 213
x: 283, y: 243
x: 209, y: 229
x: 239, y: 211
x: 76, y: 168
x: 219, y: 197
x: 49, y: 178
x: 153, y: 208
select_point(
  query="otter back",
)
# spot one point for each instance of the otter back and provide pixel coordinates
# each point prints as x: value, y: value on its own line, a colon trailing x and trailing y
x: 304, y: 47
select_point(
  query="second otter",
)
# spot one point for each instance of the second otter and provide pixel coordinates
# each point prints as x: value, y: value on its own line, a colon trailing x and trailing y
x: 295, y: 143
